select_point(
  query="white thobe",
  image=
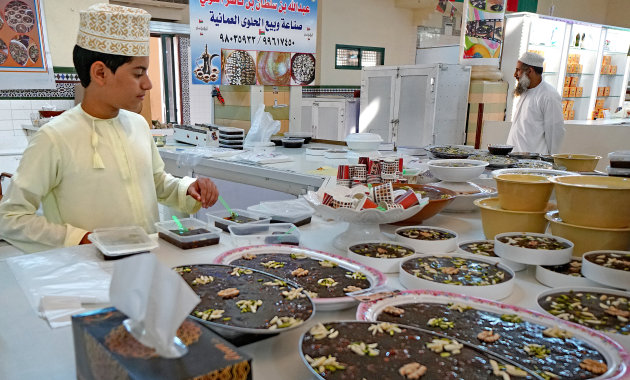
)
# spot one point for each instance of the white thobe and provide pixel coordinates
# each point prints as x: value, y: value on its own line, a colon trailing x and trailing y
x: 538, y: 123
x: 88, y: 173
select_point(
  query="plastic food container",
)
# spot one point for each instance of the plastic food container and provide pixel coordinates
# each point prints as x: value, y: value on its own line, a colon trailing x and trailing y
x: 222, y: 218
x: 119, y: 242
x: 307, y: 136
x: 363, y: 141
x: 620, y: 159
x: 255, y: 234
x: 195, y: 234
x: 292, y: 211
x: 292, y: 142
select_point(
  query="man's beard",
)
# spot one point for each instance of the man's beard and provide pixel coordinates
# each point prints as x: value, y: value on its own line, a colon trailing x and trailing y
x: 522, y: 85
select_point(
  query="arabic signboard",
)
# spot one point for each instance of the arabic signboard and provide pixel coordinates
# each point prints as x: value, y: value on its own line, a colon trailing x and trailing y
x: 250, y: 42
x: 483, y: 23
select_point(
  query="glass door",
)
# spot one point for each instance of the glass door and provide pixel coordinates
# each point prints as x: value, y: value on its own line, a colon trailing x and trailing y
x: 613, y: 73
x: 547, y: 38
x: 581, y: 70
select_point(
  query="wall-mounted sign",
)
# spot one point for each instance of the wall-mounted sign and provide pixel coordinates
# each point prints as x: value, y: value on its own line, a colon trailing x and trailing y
x: 482, y: 32
x: 23, y: 46
x: 250, y: 42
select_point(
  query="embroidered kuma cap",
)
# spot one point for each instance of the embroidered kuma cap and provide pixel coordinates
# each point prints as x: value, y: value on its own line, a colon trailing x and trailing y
x: 114, y: 29
x: 532, y: 59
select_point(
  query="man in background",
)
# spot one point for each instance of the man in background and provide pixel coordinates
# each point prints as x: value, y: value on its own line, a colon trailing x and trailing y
x: 537, y: 123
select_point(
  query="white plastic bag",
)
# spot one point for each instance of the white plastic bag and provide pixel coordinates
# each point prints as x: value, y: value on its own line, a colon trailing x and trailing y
x: 263, y: 127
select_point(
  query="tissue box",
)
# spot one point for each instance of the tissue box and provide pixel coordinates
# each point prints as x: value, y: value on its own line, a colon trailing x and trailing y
x: 104, y: 349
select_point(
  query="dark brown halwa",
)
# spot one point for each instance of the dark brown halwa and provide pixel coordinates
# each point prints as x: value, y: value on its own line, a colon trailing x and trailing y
x: 454, y: 164
x: 456, y: 271
x: 393, y: 347
x: 612, y: 260
x: 599, y: 311
x: 425, y: 234
x: 252, y: 285
x: 574, y: 268
x: 234, y: 219
x: 465, y: 323
x: 381, y: 250
x: 201, y: 242
x: 316, y: 279
x: 483, y: 248
x: 534, y: 242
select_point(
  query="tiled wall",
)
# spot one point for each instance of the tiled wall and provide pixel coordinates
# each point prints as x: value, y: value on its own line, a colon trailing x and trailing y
x: 15, y: 113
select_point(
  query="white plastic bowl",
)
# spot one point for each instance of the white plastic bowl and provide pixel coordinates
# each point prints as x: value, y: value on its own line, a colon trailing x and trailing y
x: 385, y: 265
x: 533, y: 256
x: 428, y: 246
x: 554, y: 279
x: 616, y: 278
x: 510, y: 264
x: 493, y: 292
x: 457, y: 173
x: 363, y: 141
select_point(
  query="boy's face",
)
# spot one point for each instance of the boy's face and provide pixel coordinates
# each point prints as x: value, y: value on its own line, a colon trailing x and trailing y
x: 127, y: 87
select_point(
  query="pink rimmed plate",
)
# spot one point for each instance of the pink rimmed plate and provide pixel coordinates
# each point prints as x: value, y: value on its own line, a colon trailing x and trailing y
x: 373, y: 276
x: 617, y: 358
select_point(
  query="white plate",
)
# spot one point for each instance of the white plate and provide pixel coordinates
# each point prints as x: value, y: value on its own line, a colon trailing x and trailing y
x: 533, y: 256
x: 385, y: 265
x: 457, y: 173
x: 554, y: 279
x: 616, y: 278
x: 580, y: 289
x: 494, y: 292
x: 617, y: 358
x: 375, y: 277
x: 510, y: 264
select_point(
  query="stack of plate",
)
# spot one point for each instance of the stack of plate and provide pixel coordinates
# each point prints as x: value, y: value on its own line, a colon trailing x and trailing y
x: 230, y: 137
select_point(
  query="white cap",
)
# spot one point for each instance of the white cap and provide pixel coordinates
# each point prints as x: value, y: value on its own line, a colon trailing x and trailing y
x: 114, y: 29
x: 532, y: 59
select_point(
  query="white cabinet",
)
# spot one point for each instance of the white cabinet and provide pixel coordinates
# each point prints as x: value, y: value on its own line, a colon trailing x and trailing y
x: 330, y: 118
x: 415, y: 105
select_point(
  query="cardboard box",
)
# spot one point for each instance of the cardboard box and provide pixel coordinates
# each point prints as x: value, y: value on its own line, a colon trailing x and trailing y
x: 599, y: 103
x: 579, y: 91
x: 567, y: 81
x: 565, y: 92
x: 574, y: 82
x: 606, y: 91
x: 600, y: 91
x: 571, y: 92
x: 564, y: 105
x: 571, y: 115
x: 104, y: 349
x: 613, y: 69
x: 606, y: 60
x: 570, y: 104
x: 579, y: 68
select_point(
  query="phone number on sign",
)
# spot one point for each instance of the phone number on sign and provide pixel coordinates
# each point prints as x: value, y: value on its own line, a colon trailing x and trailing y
x: 259, y: 40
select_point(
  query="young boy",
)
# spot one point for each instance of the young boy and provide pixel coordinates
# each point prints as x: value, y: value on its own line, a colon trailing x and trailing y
x: 96, y: 165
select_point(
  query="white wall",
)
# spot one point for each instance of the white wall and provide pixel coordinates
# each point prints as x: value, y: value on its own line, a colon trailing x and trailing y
x: 15, y: 113
x: 62, y: 22
x: 377, y: 23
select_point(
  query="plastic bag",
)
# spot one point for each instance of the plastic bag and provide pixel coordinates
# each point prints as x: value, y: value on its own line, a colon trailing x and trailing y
x: 263, y: 127
x: 68, y: 272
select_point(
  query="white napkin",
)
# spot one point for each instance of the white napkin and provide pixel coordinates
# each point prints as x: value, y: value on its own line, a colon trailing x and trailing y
x: 155, y: 298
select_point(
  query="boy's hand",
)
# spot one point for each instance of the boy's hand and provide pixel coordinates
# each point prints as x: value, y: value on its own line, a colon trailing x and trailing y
x: 204, y: 191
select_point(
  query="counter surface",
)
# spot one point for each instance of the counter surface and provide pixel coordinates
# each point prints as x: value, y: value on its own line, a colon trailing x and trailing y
x: 30, y: 349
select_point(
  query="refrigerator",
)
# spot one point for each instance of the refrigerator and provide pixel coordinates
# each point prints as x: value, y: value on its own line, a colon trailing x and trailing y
x: 415, y: 105
x: 586, y: 63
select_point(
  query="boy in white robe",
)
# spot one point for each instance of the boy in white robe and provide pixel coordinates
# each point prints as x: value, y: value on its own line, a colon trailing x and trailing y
x: 96, y: 165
